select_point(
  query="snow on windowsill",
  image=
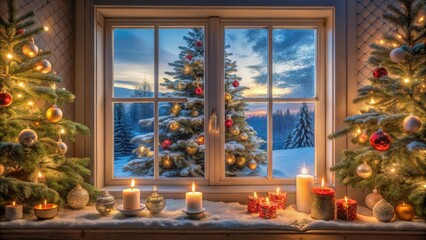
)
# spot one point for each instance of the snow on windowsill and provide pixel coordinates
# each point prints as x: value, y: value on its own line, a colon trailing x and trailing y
x: 219, y: 216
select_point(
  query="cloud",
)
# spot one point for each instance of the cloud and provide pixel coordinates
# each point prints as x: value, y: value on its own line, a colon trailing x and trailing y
x: 134, y: 45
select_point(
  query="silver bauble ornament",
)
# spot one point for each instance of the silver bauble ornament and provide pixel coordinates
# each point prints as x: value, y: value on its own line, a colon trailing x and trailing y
x: 372, y: 198
x: 397, y: 55
x: 62, y: 147
x: 364, y: 170
x: 30, y: 50
x: 43, y: 66
x: 78, y: 197
x: 412, y: 123
x: 383, y: 211
x: 27, y: 137
x: 105, y: 203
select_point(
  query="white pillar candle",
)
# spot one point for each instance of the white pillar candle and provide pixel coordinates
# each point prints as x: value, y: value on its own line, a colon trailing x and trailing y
x: 13, y: 212
x: 304, y: 183
x: 194, y: 200
x: 131, y: 197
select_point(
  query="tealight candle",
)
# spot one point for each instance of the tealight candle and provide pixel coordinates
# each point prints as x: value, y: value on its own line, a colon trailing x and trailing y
x: 253, y: 203
x: 304, y: 183
x: 46, y: 210
x: 346, y: 209
x: 13, y: 211
x: 194, y: 200
x: 322, y: 206
x: 131, y: 197
x: 279, y: 198
x: 267, y: 209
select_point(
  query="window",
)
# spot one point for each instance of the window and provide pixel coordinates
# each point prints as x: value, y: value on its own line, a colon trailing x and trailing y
x: 161, y: 99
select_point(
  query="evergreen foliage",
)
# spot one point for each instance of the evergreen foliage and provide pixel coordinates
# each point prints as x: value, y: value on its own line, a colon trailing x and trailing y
x: 122, y: 132
x: 303, y: 133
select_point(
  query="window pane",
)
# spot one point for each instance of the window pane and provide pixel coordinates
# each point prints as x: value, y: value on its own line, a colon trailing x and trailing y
x: 181, y: 61
x: 133, y: 139
x: 245, y: 139
x: 294, y: 56
x: 133, y: 62
x: 293, y: 135
x: 246, y: 57
x: 181, y: 148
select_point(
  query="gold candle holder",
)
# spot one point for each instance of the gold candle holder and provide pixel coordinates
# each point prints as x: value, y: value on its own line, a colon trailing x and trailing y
x: 46, y: 210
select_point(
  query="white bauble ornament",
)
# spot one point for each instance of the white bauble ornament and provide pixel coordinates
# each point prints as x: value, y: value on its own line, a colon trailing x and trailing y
x: 78, y: 197
x: 62, y: 147
x: 397, y: 55
x: 27, y: 137
x: 364, y: 170
x: 372, y: 198
x: 1, y: 169
x: 383, y: 211
x: 412, y: 123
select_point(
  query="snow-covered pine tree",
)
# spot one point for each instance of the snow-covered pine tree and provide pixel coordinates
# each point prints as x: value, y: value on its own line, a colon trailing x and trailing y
x: 139, y: 111
x: 288, y: 141
x: 303, y: 133
x: 122, y: 132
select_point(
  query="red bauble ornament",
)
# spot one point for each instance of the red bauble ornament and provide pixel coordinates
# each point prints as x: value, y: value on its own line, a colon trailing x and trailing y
x: 5, y: 99
x: 166, y: 144
x: 188, y: 56
x: 198, y: 43
x: 380, y: 140
x: 198, y: 91
x: 380, y: 72
x: 229, y: 122
x: 20, y: 31
x: 235, y: 83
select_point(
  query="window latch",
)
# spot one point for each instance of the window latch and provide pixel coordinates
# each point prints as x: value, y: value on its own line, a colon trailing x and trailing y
x: 213, y: 122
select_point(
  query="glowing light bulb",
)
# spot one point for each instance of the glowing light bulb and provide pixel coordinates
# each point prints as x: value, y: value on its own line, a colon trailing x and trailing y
x: 399, y: 36
x: 406, y: 80
x: 46, y: 28
x: 372, y: 101
x: 392, y: 170
x: 30, y: 103
x: 14, y: 203
x: 19, y: 95
x: 382, y: 41
x: 395, y: 45
x: 62, y: 131
x: 421, y: 19
x: 21, y: 84
x: 39, y: 175
x: 9, y: 56
x: 424, y: 185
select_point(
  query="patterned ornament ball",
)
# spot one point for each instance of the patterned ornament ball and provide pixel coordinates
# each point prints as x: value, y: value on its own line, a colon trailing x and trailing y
x: 383, y: 211
x: 167, y: 162
x: 228, y: 97
x: 173, y: 125
x: 198, y: 91
x: 191, y: 148
x: 244, y: 136
x: 105, y: 203
x: 234, y: 130
x: 188, y: 56
x: 30, y: 50
x: 397, y: 55
x: 364, y: 170
x: 412, y: 123
x: 1, y: 169
x: 198, y: 43
x: 380, y: 140
x: 405, y: 212
x: 200, y: 139
x: 62, y: 147
x: 230, y: 159
x: 235, y: 83
x: 78, y: 197
x: 54, y: 114
x: 5, y: 99
x: 229, y: 122
x: 380, y: 72
x: 241, y: 162
x: 20, y: 31
x: 252, y: 164
x: 165, y: 145
x: 43, y: 66
x: 27, y: 137
x: 372, y: 198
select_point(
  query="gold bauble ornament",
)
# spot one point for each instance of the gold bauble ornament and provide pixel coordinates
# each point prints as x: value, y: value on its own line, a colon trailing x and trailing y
x: 176, y: 108
x: 1, y: 169
x: 234, y: 130
x: 243, y: 136
x: 191, y: 148
x: 62, y: 147
x: 78, y: 197
x: 201, y: 139
x: 167, y: 162
x: 27, y: 137
x: 30, y: 50
x: 230, y: 159
x: 54, y: 114
x: 195, y: 113
x: 173, y: 125
x: 252, y: 164
x: 404, y: 212
x: 43, y: 66
x: 228, y: 97
x: 241, y: 162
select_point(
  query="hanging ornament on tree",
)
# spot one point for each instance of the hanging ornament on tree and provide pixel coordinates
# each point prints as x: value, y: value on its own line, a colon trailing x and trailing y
x: 397, y: 55
x: 20, y: 31
x: 191, y: 148
x: 363, y: 137
x: 198, y: 91
x: 229, y: 122
x: 372, y: 198
x: 241, y: 162
x: 195, y: 113
x: 235, y: 83
x: 404, y: 212
x: 243, y: 136
x: 1, y: 169
x: 43, y: 66
x: 62, y: 147
x: 78, y: 197
x: 180, y: 85
x: 165, y: 145
x: 30, y: 49
x: 228, y: 97
x: 54, y: 114
x: 176, y: 108
x: 5, y: 99
x: 383, y: 211
x: 167, y: 162
x: 200, y: 139
x: 198, y: 43
x: 412, y: 123
x: 173, y: 125
x: 252, y: 164
x: 364, y: 170
x: 27, y: 137
x: 188, y: 56
x: 230, y: 159
x: 380, y: 72
x: 234, y: 130
x: 380, y: 140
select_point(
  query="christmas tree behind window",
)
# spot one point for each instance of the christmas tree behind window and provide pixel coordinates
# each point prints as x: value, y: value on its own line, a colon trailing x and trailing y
x: 33, y: 131
x: 389, y: 133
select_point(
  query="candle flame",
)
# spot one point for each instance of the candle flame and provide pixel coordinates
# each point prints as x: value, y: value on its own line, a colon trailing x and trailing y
x: 154, y: 188
x: 13, y: 203
x: 278, y: 190
x: 346, y: 199
x: 403, y: 203
x: 322, y: 182
x: 304, y: 170
x: 267, y: 201
x: 132, y: 184
x: 193, y: 187
x: 255, y: 194
x: 45, y: 202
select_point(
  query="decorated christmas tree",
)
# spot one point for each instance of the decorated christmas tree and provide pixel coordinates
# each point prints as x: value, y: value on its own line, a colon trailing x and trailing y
x: 388, y: 133
x: 33, y: 131
x: 181, y: 129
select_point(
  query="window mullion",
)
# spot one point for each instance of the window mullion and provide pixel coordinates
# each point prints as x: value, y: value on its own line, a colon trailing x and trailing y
x: 156, y: 112
x: 270, y: 105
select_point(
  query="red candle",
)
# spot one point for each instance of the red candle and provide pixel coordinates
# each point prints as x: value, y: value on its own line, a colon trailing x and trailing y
x: 279, y: 198
x: 253, y: 203
x: 322, y: 204
x: 267, y: 209
x: 346, y: 209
